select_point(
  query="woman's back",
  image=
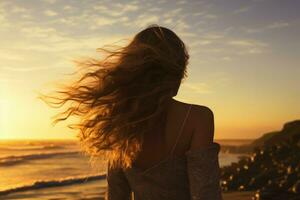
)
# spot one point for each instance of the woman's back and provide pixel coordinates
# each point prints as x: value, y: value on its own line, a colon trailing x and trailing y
x: 176, y: 173
x: 176, y: 137
x: 158, y: 149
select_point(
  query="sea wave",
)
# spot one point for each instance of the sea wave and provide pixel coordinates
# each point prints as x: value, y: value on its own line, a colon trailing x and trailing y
x: 30, y: 148
x: 53, y: 183
x: 13, y: 160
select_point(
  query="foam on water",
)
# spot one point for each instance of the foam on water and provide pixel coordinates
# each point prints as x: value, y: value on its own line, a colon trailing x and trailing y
x: 53, y: 183
x: 13, y: 160
x: 27, y: 166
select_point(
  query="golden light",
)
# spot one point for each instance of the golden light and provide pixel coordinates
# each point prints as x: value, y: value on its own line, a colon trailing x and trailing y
x: 6, y: 111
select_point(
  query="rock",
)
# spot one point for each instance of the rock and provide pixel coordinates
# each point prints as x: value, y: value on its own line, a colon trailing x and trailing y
x: 273, y: 170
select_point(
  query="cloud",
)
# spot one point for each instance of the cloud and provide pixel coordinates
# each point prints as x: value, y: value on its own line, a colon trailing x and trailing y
x: 212, y: 36
x: 213, y: 39
x: 26, y: 16
x: 5, y: 55
x: 241, y: 10
x: 201, y: 43
x: 252, y: 30
x: 248, y: 46
x: 172, y: 13
x: 168, y: 21
x: 19, y: 9
x: 50, y: 1
x: 128, y: 8
x: 161, y: 1
x: 181, y: 2
x: 247, y: 43
x: 210, y: 16
x: 154, y: 9
x: 50, y: 40
x: 186, y: 34
x: 226, y: 58
x: 181, y: 25
x: 226, y: 48
x: 68, y: 8
x: 91, y: 25
x: 276, y: 25
x: 102, y: 21
x: 50, y: 13
x: 144, y: 20
x: 39, y: 32
x: 199, y: 88
x: 199, y: 13
x: 3, y: 20
x: 116, y: 10
x: 2, y: 17
x: 69, y: 21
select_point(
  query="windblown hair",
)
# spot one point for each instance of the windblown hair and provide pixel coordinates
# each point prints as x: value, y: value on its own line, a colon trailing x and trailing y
x: 124, y: 96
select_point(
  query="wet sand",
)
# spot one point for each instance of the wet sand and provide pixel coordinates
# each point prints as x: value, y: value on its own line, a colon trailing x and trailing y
x: 93, y: 190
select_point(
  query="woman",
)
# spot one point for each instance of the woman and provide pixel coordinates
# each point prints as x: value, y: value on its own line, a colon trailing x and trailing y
x: 157, y: 147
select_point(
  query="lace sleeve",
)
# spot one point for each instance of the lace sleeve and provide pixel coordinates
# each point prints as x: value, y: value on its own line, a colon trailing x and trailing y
x: 204, y: 173
x: 118, y: 187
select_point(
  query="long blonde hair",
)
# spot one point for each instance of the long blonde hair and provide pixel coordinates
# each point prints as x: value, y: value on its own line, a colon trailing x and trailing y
x: 120, y: 97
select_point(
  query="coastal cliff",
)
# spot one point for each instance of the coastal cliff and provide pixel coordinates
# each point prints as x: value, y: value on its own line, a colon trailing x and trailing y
x: 273, y: 168
x: 288, y: 131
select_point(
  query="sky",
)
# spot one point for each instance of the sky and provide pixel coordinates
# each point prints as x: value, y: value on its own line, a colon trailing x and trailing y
x: 244, y: 57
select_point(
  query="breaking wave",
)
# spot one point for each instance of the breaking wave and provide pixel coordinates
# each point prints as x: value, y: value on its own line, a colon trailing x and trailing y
x: 13, y: 160
x: 54, y: 183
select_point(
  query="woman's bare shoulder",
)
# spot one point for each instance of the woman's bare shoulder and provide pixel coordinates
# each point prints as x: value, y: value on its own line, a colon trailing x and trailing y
x: 202, y: 118
x: 198, y: 110
x: 203, y: 111
x: 201, y: 123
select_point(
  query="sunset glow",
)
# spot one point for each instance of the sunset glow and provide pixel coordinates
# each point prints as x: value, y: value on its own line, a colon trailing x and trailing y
x: 244, y: 58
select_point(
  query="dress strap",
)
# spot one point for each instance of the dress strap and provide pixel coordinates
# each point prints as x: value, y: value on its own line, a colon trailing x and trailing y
x: 181, y: 129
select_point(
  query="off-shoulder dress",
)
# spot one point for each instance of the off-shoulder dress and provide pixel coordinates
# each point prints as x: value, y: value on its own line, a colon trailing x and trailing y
x: 192, y: 176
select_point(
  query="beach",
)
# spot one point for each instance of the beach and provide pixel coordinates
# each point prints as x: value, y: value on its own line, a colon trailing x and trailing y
x: 58, y: 170
x: 93, y: 190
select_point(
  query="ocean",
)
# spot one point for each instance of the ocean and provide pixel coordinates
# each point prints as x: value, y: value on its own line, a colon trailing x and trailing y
x: 53, y: 170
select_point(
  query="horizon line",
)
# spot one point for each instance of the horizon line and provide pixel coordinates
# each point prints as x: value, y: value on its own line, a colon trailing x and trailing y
x: 70, y: 139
